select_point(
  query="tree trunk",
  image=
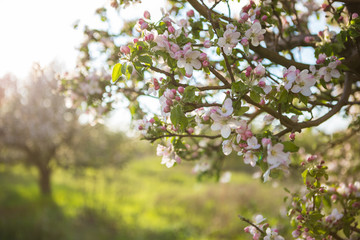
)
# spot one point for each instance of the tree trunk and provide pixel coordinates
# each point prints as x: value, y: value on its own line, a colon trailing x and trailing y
x: 44, y: 180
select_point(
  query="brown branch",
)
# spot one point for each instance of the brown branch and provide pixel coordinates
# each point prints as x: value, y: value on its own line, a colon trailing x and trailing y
x: 153, y: 139
x: 252, y: 224
x: 336, y: 108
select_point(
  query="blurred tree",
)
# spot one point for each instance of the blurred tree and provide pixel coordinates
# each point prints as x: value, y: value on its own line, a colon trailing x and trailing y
x: 35, y: 122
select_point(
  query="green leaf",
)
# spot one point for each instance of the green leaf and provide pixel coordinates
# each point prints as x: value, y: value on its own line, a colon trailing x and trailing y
x: 304, y: 175
x: 290, y: 146
x: 145, y: 59
x: 239, y: 87
x: 178, y: 117
x: 241, y: 111
x: 123, y: 68
x: 255, y: 96
x: 189, y: 94
x: 116, y: 73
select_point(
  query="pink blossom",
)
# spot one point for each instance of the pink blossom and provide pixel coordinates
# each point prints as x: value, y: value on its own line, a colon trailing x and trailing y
x: 354, y: 15
x: 205, y: 63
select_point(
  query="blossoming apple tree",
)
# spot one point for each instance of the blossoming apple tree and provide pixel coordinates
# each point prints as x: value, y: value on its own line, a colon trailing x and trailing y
x: 243, y: 80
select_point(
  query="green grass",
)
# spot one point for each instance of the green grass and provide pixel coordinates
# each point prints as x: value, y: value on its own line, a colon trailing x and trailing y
x: 144, y: 200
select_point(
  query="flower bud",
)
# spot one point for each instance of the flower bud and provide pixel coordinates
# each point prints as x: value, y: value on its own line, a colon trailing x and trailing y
x: 292, y: 136
x: 144, y: 25
x: 205, y: 63
x: 177, y: 98
x: 181, y: 89
x: 135, y: 40
x: 173, y: 91
x: 262, y: 84
x: 203, y: 56
x: 125, y: 49
x: 354, y: 15
x: 171, y: 29
x: 264, y: 18
x: 169, y: 102
x: 166, y: 109
x: 244, y: 41
x: 206, y: 118
x: 207, y: 44
x: 152, y: 120
x: 147, y: 15
x: 190, y: 130
x: 190, y: 13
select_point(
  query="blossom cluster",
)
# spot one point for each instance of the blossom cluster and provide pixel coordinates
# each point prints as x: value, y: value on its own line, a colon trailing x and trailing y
x: 258, y: 231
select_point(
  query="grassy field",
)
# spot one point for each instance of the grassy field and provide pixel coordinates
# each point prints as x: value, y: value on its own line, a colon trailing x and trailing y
x: 144, y: 200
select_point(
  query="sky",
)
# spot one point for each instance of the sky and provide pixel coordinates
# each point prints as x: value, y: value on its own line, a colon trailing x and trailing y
x: 42, y: 31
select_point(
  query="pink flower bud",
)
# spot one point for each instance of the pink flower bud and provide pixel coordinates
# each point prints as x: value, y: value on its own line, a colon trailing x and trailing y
x: 244, y: 41
x: 262, y: 102
x: 166, y: 109
x: 203, y: 56
x: 141, y: 21
x: 325, y: 6
x: 181, y: 89
x: 140, y: 48
x: 152, y: 120
x: 354, y: 15
x: 244, y: 16
x: 341, y: 18
x: 248, y: 134
x: 247, y: 229
x: 147, y: 15
x: 321, y: 59
x: 163, y: 128
x: 135, y: 40
x: 264, y: 18
x: 125, y: 49
x: 169, y: 102
x: 144, y: 25
x: 262, y: 84
x: 177, y: 98
x: 190, y: 130
x: 190, y: 13
x: 173, y: 91
x: 207, y: 44
x: 149, y: 37
x: 171, y: 29
x: 292, y: 136
x: 140, y: 127
x: 205, y: 63
x: 248, y: 71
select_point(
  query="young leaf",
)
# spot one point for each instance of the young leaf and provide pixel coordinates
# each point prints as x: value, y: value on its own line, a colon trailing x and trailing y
x: 116, y: 73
